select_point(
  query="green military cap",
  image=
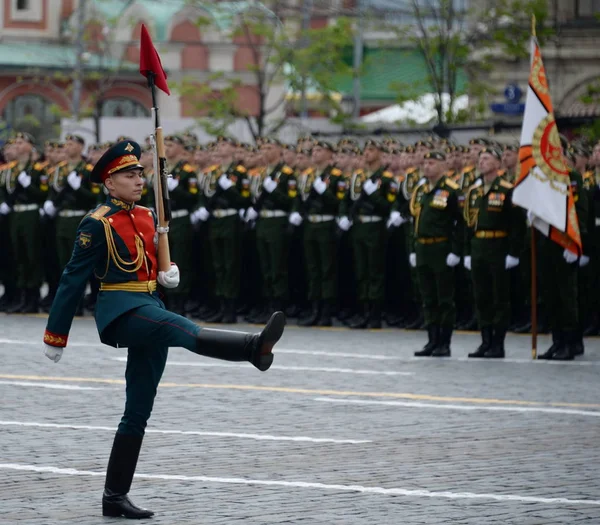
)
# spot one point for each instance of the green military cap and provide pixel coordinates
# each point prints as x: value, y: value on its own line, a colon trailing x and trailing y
x: 348, y: 149
x: 75, y: 138
x: 191, y: 137
x: 51, y: 144
x: 28, y: 137
x: 270, y: 140
x: 492, y: 151
x: 304, y: 151
x: 146, y: 148
x: 513, y: 146
x: 200, y: 147
x: 122, y: 156
x: 93, y: 147
x: 436, y: 155
x: 252, y: 149
x: 579, y: 149
x: 178, y: 139
x: 479, y: 141
x: 409, y: 149
x: 211, y: 145
x: 121, y: 138
x: 305, y: 136
x: 291, y: 147
x: 9, y: 141
x: 326, y: 145
x: 379, y: 145
x: 425, y: 143
x: 190, y: 147
x: 223, y: 138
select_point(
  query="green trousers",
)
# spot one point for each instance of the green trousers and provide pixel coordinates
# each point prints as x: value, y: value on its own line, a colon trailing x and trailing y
x: 225, y: 247
x: 180, y: 247
x: 491, y: 289
x: 8, y: 270
x: 272, y: 247
x: 66, y: 231
x: 320, y: 257
x: 25, y: 235
x: 436, y: 283
x: 369, y: 260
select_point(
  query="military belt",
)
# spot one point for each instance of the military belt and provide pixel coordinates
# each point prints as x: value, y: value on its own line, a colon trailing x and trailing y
x: 179, y: 213
x: 25, y: 207
x: 320, y: 218
x: 221, y: 214
x: 431, y: 240
x: 269, y: 214
x: 491, y: 234
x: 129, y: 286
x: 369, y: 218
x: 71, y: 213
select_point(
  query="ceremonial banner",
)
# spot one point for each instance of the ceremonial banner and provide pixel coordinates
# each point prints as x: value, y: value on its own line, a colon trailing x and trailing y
x: 543, y: 186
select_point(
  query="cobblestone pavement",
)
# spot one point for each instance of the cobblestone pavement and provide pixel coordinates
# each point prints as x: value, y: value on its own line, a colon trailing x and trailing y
x: 346, y: 428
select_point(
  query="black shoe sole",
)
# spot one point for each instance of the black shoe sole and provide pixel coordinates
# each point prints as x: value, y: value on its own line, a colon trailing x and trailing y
x: 267, y: 340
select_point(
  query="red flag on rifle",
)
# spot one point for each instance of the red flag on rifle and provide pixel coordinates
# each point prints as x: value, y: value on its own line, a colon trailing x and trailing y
x: 150, y: 62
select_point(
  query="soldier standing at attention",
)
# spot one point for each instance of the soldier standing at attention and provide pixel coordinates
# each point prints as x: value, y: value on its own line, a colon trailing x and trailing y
x: 494, y: 237
x: 437, y: 249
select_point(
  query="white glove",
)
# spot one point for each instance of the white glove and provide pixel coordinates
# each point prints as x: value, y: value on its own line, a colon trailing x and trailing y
x: 225, y: 183
x: 511, y: 262
x: 169, y: 279
x: 4, y: 209
x: 241, y: 213
x: 320, y: 186
x: 370, y: 187
x: 452, y: 260
x: 54, y: 353
x: 251, y: 214
x: 570, y: 257
x: 269, y: 184
x: 412, y: 259
x: 344, y: 223
x: 49, y: 208
x: 42, y: 212
x: 203, y: 214
x: 295, y: 219
x: 584, y: 260
x: 74, y: 180
x: 24, y: 179
x: 530, y: 217
x: 172, y: 183
x: 194, y: 217
x: 395, y: 219
x: 467, y: 262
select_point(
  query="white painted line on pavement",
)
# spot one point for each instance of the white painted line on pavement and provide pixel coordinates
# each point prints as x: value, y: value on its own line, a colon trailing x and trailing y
x: 316, y: 486
x: 410, y: 404
x: 51, y: 385
x: 288, y: 368
x: 260, y: 437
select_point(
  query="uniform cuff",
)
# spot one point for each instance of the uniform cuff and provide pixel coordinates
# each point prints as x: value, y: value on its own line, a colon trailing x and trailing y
x: 53, y: 339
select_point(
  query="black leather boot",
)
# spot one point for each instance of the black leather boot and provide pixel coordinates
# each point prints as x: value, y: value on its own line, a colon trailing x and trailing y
x: 242, y: 346
x: 497, y: 348
x: 417, y: 323
x: 312, y: 317
x: 217, y: 317
x: 578, y: 347
x: 8, y: 299
x: 230, y: 313
x: 433, y: 334
x: 361, y: 319
x: 31, y: 306
x: 326, y: 314
x: 18, y: 305
x: 486, y: 342
x: 567, y: 351
x: 443, y: 349
x: 119, y: 475
x: 375, y: 316
x: 557, y: 345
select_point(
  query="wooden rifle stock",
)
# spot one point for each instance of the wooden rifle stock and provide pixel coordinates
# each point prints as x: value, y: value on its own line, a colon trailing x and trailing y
x: 163, y: 203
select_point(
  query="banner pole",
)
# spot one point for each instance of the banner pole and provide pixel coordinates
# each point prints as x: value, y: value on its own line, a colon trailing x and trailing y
x: 533, y: 295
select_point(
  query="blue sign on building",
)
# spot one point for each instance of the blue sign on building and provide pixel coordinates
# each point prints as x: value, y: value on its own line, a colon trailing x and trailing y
x: 512, y: 106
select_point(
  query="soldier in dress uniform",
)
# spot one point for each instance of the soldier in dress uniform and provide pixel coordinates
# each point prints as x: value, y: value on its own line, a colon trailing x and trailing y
x: 493, y: 243
x: 130, y: 313
x: 21, y: 197
x: 437, y: 250
x: 595, y: 239
x: 7, y: 261
x: 320, y: 198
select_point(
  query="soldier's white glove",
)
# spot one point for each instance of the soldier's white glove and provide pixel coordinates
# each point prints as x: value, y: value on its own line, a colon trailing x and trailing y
x: 295, y: 219
x: 584, y: 260
x: 344, y: 223
x: 172, y: 183
x: 570, y: 257
x: 530, y: 217
x: 4, y: 209
x: 24, y: 179
x: 42, y: 212
x: 320, y: 186
x: 194, y: 217
x: 169, y: 279
x: 467, y: 262
x: 49, y: 208
x: 269, y: 184
x: 74, y: 180
x: 251, y: 214
x: 370, y: 187
x: 511, y: 262
x: 241, y: 213
x: 225, y: 183
x: 452, y: 260
x: 395, y: 219
x: 203, y: 214
x: 54, y: 353
x: 412, y: 259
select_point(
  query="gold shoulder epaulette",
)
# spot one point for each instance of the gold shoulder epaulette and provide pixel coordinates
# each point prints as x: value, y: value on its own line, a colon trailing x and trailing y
x: 61, y: 164
x: 12, y: 164
x: 308, y: 171
x: 410, y: 170
x: 188, y: 168
x: 89, y: 166
x: 467, y: 169
x: 100, y: 212
x: 388, y: 174
x: 506, y: 184
x: 287, y: 170
x: 336, y: 172
x: 451, y: 184
x: 39, y: 165
x: 212, y: 168
x: 241, y: 169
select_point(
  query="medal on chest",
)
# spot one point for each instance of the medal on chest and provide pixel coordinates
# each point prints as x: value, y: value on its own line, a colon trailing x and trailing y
x: 440, y: 199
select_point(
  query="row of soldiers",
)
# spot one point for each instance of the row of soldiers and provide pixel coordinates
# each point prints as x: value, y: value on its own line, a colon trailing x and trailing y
x: 324, y: 230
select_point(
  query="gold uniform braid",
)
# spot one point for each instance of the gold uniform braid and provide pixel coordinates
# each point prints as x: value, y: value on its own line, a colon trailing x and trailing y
x: 113, y: 253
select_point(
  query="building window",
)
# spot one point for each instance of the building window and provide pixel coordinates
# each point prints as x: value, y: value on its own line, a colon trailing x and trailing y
x: 22, y: 5
x: 588, y: 8
x: 34, y: 114
x: 124, y: 107
x: 26, y: 10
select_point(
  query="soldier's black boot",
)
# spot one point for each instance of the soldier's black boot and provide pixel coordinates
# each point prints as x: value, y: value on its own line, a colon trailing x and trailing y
x: 326, y: 314
x: 486, y: 342
x: 230, y: 312
x: 443, y: 349
x: 217, y: 317
x: 19, y: 304
x: 242, y: 346
x: 119, y: 475
x: 7, y: 300
x: 497, y: 349
x: 313, y: 315
x: 375, y: 316
x: 433, y: 334
x: 31, y: 302
x: 578, y: 348
x: 417, y: 323
x: 557, y: 345
x: 567, y: 351
x: 361, y: 319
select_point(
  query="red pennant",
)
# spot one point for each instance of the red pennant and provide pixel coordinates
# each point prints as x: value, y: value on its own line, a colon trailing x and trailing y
x: 150, y: 62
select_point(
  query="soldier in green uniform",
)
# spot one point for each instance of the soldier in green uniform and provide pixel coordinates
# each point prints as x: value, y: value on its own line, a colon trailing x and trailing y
x: 21, y: 197
x: 437, y: 250
x: 595, y: 239
x: 320, y: 203
x: 7, y: 261
x: 131, y: 314
x: 494, y: 236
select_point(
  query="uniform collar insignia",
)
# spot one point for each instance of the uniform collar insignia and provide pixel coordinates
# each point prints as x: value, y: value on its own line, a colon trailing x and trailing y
x: 121, y: 204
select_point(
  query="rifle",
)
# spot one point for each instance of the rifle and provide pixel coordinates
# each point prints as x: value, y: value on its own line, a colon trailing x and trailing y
x: 151, y: 68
